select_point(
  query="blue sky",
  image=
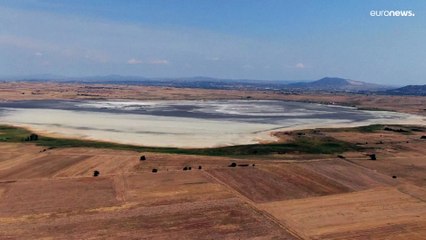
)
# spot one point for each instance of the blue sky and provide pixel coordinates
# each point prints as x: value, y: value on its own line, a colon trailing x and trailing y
x: 276, y: 40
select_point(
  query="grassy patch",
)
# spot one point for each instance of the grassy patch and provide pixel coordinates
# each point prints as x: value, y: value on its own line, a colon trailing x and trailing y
x: 370, y: 128
x: 301, y: 144
x: 402, y: 129
x: 12, y: 134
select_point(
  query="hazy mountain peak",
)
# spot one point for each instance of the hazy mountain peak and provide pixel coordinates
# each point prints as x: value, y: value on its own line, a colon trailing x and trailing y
x: 337, y: 84
x: 419, y: 90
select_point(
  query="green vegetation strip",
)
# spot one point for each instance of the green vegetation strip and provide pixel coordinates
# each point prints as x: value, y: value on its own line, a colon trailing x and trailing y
x: 301, y: 144
x: 402, y: 129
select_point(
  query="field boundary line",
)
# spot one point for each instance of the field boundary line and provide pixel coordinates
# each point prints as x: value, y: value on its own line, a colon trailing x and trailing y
x: 253, y: 206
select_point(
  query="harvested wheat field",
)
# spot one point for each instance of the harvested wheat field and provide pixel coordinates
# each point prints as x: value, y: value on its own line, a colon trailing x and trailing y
x: 379, y: 213
x: 37, y: 197
x: 66, y: 202
x: 51, y: 193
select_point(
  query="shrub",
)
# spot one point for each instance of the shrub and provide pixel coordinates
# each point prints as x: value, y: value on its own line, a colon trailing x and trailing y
x: 32, y: 137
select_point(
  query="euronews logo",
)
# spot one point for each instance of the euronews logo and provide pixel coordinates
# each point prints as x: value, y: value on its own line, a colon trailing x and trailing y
x: 392, y: 13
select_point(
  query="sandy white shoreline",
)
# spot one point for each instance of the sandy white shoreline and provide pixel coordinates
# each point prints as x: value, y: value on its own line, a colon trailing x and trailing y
x: 138, y: 129
x: 162, y: 131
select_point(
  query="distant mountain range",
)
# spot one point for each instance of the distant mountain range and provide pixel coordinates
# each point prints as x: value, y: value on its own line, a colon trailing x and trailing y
x: 419, y: 90
x: 330, y: 84
x: 337, y: 84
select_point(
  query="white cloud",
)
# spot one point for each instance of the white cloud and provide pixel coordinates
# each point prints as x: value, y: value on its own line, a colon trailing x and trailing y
x: 158, y: 62
x: 134, y: 61
x: 300, y: 65
x: 297, y: 66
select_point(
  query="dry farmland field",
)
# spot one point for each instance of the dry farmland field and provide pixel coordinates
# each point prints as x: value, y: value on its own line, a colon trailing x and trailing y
x: 51, y: 193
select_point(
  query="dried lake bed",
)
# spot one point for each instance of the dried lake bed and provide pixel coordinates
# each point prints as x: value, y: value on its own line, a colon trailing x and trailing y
x: 186, y: 123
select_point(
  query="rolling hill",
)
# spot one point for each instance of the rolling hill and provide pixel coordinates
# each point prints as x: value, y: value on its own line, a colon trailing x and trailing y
x: 337, y: 84
x: 419, y: 90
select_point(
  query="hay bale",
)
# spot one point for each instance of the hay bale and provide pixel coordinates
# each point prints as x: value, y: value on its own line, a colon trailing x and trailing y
x: 341, y: 156
x: 423, y: 137
x: 154, y: 170
x: 232, y: 164
x: 394, y: 177
x: 96, y: 173
x: 243, y: 165
x: 142, y: 158
x: 199, y: 167
x: 185, y: 168
x: 372, y: 156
